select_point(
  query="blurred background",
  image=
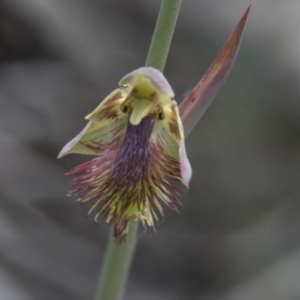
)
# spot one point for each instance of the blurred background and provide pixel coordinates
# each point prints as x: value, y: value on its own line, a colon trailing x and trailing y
x: 238, y: 234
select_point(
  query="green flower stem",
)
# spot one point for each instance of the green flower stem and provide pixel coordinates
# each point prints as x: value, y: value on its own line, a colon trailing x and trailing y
x: 163, y: 33
x: 116, y: 265
x: 118, y: 257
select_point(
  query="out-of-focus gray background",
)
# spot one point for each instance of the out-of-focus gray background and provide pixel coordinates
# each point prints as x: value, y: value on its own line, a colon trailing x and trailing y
x: 238, y: 234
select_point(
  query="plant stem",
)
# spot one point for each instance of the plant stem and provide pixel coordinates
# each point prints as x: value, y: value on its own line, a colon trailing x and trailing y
x: 118, y: 257
x: 116, y: 265
x: 163, y: 33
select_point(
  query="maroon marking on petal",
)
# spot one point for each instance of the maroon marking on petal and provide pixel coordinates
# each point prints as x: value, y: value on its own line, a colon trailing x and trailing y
x: 112, y: 114
x: 173, y: 112
x: 108, y: 113
x: 113, y: 101
x: 173, y: 126
x: 108, y: 108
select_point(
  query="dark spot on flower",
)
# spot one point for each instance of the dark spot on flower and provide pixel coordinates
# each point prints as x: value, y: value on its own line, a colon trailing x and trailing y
x: 125, y: 109
x: 161, y: 115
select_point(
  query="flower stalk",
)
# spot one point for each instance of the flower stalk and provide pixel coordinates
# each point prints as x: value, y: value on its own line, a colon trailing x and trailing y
x: 118, y: 257
x: 116, y: 265
x: 163, y: 33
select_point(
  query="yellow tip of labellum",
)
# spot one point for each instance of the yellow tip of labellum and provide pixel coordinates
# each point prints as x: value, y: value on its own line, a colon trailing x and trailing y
x: 141, y: 108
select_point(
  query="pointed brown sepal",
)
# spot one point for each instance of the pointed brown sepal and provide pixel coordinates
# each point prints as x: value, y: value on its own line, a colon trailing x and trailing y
x: 194, y: 105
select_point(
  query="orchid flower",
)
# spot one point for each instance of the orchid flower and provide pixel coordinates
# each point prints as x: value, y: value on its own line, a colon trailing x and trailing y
x: 137, y: 134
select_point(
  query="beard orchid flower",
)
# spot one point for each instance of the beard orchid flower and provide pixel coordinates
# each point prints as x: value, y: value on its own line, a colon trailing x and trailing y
x: 137, y: 134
